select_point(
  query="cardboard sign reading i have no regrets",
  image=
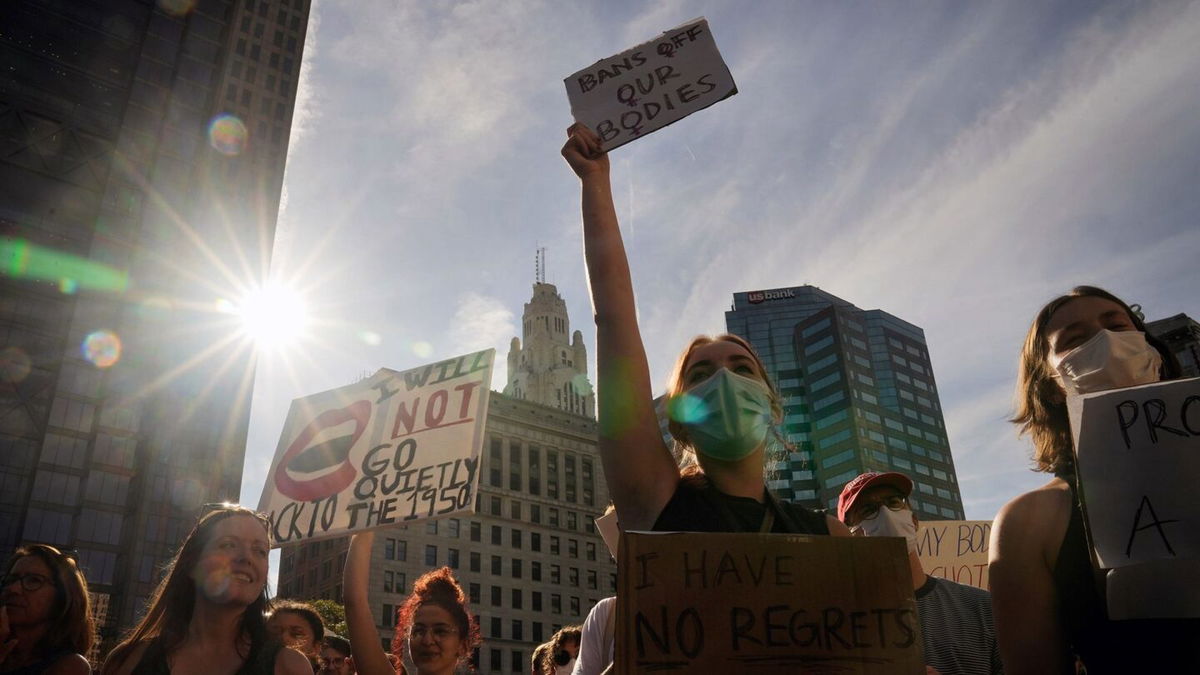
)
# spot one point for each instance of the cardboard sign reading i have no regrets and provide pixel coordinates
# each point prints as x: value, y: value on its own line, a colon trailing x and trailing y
x: 765, y: 603
x: 643, y: 89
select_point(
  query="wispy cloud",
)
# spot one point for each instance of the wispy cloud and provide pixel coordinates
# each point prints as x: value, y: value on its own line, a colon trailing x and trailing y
x: 481, y: 321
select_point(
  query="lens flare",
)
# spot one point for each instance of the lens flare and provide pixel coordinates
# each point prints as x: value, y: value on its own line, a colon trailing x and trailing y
x: 15, y: 365
x: 177, y: 7
x: 371, y: 337
x: 216, y: 583
x: 274, y: 316
x: 582, y: 386
x: 687, y: 409
x: 187, y: 493
x: 102, y: 348
x: 227, y: 135
x: 422, y: 349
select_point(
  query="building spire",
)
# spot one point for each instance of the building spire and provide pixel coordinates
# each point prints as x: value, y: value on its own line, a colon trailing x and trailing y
x: 539, y: 265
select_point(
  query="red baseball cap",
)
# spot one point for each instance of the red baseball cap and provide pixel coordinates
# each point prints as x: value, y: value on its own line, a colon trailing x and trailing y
x: 868, y: 480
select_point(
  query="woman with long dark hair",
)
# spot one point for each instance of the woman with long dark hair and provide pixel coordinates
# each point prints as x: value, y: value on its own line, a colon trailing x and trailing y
x: 722, y: 405
x: 208, y: 616
x: 1047, y: 597
x: 434, y: 622
x: 45, y: 616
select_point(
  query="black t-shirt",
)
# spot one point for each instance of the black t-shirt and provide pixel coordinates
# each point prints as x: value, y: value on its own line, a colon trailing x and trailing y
x: 705, y: 509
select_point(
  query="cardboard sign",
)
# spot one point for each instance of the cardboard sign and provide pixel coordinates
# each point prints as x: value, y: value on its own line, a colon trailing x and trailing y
x: 956, y: 550
x: 765, y: 603
x: 1137, y: 454
x: 643, y: 89
x: 396, y: 448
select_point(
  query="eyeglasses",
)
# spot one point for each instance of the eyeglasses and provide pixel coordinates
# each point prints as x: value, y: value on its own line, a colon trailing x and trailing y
x: 440, y: 633
x: 30, y: 582
x: 335, y: 662
x: 894, y: 502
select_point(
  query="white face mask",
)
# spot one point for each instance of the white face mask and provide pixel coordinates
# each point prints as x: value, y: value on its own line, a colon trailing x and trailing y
x: 889, y: 523
x: 1109, y: 360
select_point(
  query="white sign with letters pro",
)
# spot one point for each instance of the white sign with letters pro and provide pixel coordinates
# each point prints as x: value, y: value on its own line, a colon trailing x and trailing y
x: 643, y: 89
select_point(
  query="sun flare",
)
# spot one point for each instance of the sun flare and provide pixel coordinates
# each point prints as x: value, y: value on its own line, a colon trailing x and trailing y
x: 274, y: 316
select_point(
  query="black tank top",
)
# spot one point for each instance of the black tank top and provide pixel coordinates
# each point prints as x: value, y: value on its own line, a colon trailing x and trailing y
x: 1106, y: 646
x: 260, y: 662
x: 695, y: 508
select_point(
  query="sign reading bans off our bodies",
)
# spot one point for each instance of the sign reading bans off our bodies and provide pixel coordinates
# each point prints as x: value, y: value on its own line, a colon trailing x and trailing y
x: 643, y: 89
x: 398, y: 447
x: 765, y: 603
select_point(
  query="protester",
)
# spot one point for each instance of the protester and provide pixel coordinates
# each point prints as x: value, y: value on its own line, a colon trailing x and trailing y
x: 539, y: 660
x: 299, y: 626
x: 434, y: 620
x: 721, y: 407
x: 564, y: 648
x: 1048, y: 597
x: 45, y: 616
x: 957, y: 632
x: 335, y: 656
x: 597, y: 639
x: 208, y: 614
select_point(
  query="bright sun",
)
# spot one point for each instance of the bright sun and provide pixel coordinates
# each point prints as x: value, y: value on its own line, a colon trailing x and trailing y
x: 273, y: 316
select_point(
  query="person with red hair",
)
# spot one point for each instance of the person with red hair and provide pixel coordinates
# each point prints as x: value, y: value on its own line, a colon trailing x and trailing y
x: 434, y: 622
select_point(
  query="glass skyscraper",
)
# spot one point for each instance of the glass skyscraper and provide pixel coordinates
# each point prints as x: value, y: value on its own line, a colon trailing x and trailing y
x: 142, y: 148
x: 859, y: 395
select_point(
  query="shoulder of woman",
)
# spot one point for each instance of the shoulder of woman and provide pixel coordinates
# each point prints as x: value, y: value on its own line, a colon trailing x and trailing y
x: 1036, y: 520
x: 291, y: 662
x: 836, y: 527
x: 125, y: 658
x: 70, y: 664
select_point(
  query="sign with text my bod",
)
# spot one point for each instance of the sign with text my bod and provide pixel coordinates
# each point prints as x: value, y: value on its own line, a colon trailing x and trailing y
x: 765, y: 603
x: 643, y: 89
x: 396, y: 448
x: 956, y: 550
x: 1137, y: 452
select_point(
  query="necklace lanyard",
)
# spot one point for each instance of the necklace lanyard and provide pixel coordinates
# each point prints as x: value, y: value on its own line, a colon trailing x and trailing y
x: 731, y: 521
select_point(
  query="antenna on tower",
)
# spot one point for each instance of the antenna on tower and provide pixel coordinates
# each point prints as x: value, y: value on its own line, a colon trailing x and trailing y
x: 539, y: 266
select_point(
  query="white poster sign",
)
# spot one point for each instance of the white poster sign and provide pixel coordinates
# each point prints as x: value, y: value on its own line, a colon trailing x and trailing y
x: 643, y: 89
x: 956, y: 550
x: 396, y: 448
x: 1138, y: 461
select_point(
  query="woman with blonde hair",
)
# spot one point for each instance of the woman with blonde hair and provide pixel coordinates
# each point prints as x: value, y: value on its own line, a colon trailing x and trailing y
x: 722, y: 405
x: 208, y: 615
x: 45, y: 615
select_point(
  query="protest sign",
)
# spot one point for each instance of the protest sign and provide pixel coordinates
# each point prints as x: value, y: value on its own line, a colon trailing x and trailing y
x: 1137, y: 454
x: 610, y: 532
x: 956, y: 550
x: 396, y: 448
x: 695, y: 602
x: 643, y: 89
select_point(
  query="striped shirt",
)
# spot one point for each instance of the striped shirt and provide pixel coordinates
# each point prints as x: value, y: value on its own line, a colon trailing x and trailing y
x: 957, y: 629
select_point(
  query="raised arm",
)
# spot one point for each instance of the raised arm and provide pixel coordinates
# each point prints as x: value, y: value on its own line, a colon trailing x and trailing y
x: 1024, y: 546
x: 369, y: 657
x: 640, y: 472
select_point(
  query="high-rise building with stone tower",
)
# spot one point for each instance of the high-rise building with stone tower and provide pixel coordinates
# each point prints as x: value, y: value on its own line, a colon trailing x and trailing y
x: 543, y: 365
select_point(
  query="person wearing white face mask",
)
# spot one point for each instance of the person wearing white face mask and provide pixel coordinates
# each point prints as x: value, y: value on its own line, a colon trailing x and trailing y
x: 1047, y: 596
x: 720, y: 402
x: 957, y: 631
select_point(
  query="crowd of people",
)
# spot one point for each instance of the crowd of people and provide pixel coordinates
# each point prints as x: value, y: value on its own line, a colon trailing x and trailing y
x: 1045, y: 613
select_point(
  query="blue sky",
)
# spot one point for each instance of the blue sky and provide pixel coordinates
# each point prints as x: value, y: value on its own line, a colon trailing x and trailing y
x: 955, y: 164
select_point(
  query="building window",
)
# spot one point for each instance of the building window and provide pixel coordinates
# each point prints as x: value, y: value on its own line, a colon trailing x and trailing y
x: 452, y: 558
x: 401, y: 550
x: 452, y: 526
x: 535, y: 471
x: 574, y: 606
x: 497, y: 592
x: 590, y: 547
x: 514, y: 466
x: 555, y: 574
x: 474, y: 562
x: 573, y: 548
x: 569, y: 471
x: 497, y: 536
x: 518, y: 656
x: 573, y: 576
x: 496, y: 506
x: 497, y: 565
x: 516, y: 539
x: 572, y: 520
x: 516, y: 603
x: 553, y: 517
x: 516, y: 568
x: 537, y: 629
x: 495, y: 463
x: 535, y: 514
x: 430, y: 555
x: 475, y: 531
x: 389, y: 616
x: 535, y: 601
x: 554, y: 545
x: 514, y: 510
x: 535, y: 542
x: 474, y: 595
x: 556, y: 603
x: 552, y: 475
x: 535, y: 570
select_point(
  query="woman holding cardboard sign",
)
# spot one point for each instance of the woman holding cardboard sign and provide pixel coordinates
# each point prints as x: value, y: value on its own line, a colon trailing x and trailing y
x: 722, y: 405
x: 1047, y: 598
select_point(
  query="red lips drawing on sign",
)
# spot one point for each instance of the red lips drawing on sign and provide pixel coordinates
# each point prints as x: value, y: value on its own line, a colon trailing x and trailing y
x: 303, y: 456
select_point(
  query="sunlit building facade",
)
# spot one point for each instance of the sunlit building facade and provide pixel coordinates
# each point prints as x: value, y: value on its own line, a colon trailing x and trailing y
x: 859, y: 395
x: 1181, y: 333
x: 142, y: 149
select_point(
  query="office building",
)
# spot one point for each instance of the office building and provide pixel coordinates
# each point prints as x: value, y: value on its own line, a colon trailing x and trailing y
x: 142, y: 149
x: 859, y: 395
x: 1181, y: 333
x: 530, y: 558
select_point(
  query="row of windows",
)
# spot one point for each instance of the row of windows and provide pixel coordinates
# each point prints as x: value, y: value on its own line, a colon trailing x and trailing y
x: 533, y: 464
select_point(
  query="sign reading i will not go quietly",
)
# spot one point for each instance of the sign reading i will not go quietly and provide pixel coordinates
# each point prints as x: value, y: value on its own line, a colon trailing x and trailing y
x: 643, y: 89
x: 693, y: 602
x: 1137, y: 453
x: 396, y: 448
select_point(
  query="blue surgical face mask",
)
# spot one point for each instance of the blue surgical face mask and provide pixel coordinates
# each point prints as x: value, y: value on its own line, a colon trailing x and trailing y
x: 728, y: 415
